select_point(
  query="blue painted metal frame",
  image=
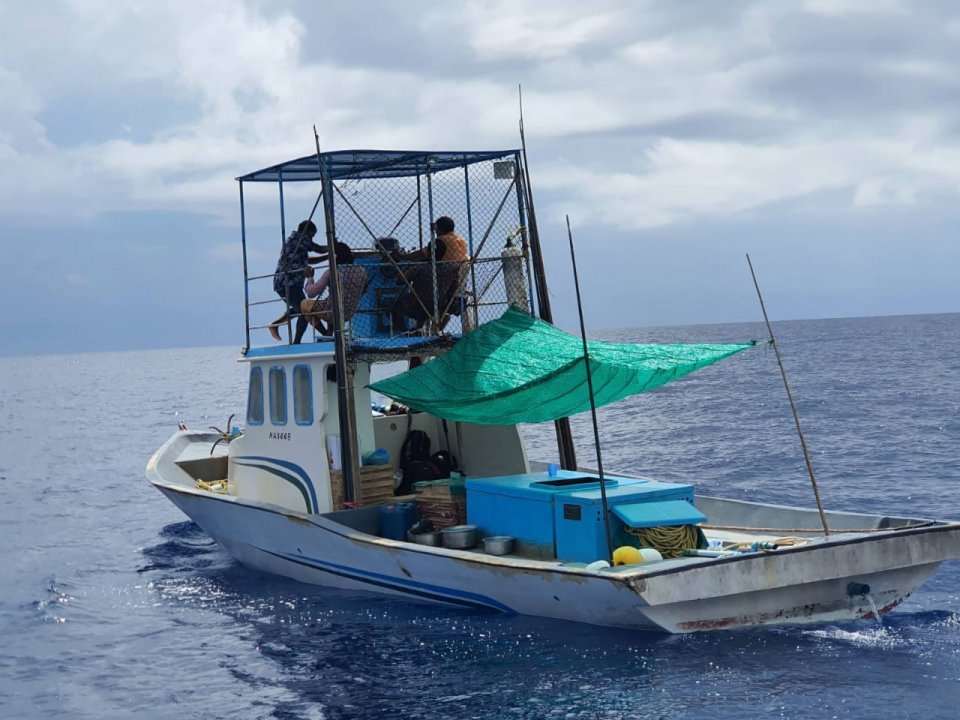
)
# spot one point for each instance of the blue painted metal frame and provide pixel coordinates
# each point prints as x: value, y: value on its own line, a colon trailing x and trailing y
x: 283, y: 215
x: 359, y: 164
x: 419, y: 213
x: 283, y: 350
x: 466, y: 183
x: 246, y: 281
x: 433, y: 255
x: 347, y: 164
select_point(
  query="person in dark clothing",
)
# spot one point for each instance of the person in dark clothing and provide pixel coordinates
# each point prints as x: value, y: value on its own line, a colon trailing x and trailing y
x: 417, y: 303
x: 449, y: 250
x: 289, y: 275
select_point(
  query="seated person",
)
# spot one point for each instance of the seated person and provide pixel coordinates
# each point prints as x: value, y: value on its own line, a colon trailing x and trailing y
x: 449, y: 245
x: 450, y: 252
x: 417, y: 303
x: 319, y: 312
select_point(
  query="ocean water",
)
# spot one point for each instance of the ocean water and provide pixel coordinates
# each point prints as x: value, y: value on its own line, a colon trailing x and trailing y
x: 114, y: 605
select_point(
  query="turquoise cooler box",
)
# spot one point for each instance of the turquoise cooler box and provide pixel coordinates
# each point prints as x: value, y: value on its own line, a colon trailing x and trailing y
x: 580, y: 531
x: 562, y: 516
x: 513, y: 505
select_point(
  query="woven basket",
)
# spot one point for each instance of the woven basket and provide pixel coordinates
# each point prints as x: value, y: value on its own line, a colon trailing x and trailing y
x: 442, y: 502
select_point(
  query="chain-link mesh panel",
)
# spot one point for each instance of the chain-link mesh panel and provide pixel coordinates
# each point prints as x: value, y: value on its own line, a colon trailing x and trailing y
x: 431, y: 301
x: 415, y: 304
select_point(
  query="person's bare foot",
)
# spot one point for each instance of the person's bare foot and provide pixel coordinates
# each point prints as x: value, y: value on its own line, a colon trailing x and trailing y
x: 275, y: 333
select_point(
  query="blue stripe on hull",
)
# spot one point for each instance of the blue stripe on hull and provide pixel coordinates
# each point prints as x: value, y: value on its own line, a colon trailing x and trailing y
x: 312, y: 504
x: 408, y: 587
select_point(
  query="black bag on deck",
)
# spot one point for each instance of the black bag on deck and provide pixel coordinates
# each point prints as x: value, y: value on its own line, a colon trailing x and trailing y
x: 444, y: 463
x: 414, y: 460
x: 414, y: 472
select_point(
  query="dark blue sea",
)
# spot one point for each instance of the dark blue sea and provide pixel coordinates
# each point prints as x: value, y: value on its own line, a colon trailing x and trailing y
x: 113, y: 605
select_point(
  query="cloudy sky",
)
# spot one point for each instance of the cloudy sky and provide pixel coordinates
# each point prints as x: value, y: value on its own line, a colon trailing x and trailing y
x: 820, y: 136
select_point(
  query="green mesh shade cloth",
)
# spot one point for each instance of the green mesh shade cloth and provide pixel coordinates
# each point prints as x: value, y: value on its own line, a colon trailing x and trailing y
x: 519, y: 369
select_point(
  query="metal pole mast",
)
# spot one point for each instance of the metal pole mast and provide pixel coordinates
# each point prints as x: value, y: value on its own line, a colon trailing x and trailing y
x: 348, y: 456
x: 568, y: 455
x: 593, y: 402
x: 793, y: 406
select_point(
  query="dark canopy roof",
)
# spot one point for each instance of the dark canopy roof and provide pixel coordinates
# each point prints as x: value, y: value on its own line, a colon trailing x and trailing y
x: 356, y: 164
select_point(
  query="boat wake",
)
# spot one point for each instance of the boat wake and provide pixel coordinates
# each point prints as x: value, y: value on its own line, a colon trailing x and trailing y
x: 900, y: 630
x: 875, y: 636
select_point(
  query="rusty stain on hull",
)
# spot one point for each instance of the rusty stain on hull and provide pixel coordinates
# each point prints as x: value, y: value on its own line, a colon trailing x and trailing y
x: 809, y: 610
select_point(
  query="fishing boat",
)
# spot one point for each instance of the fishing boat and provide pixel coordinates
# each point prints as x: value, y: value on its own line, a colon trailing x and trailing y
x: 330, y: 479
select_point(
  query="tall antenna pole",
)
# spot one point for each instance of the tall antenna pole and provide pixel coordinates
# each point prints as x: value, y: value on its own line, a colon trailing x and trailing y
x: 349, y: 462
x: 568, y: 454
x: 593, y: 402
x: 793, y: 406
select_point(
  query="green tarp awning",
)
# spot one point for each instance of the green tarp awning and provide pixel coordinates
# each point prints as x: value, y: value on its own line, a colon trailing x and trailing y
x: 519, y: 369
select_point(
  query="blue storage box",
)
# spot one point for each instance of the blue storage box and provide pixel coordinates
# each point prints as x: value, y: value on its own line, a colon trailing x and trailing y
x: 507, y: 505
x: 580, y: 530
x: 522, y: 506
x: 562, y: 517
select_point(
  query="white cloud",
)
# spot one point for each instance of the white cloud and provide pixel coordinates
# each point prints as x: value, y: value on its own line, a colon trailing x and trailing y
x: 688, y: 180
x: 527, y: 28
x: 628, y: 77
x: 838, y: 8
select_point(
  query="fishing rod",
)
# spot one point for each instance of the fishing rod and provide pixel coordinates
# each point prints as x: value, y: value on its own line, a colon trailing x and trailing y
x: 593, y: 402
x: 568, y: 454
x: 793, y: 405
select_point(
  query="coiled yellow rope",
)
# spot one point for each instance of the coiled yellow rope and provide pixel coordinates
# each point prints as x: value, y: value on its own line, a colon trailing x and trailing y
x: 669, y: 540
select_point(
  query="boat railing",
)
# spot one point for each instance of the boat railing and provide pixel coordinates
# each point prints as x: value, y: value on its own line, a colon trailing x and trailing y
x: 391, y: 306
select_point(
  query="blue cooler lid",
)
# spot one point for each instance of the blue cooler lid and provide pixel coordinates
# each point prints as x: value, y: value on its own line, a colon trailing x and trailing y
x: 654, y: 514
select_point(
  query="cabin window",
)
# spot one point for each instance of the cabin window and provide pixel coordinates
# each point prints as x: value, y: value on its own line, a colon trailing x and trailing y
x: 302, y: 395
x: 278, y: 396
x: 255, y: 397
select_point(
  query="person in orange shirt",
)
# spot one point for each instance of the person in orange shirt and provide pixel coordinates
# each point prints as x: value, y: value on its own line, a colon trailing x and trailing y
x: 451, y: 255
x: 456, y: 246
x: 449, y: 246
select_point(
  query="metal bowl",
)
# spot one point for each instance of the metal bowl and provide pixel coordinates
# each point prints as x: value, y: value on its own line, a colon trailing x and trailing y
x: 431, y: 538
x: 498, y: 545
x: 460, y: 537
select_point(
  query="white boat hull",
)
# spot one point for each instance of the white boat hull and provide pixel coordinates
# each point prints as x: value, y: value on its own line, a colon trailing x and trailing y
x: 797, y: 585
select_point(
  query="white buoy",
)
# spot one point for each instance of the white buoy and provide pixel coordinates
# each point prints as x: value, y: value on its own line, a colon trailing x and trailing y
x: 597, y: 565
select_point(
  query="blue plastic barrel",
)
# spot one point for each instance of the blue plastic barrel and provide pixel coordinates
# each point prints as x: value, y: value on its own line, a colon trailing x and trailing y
x: 396, y: 519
